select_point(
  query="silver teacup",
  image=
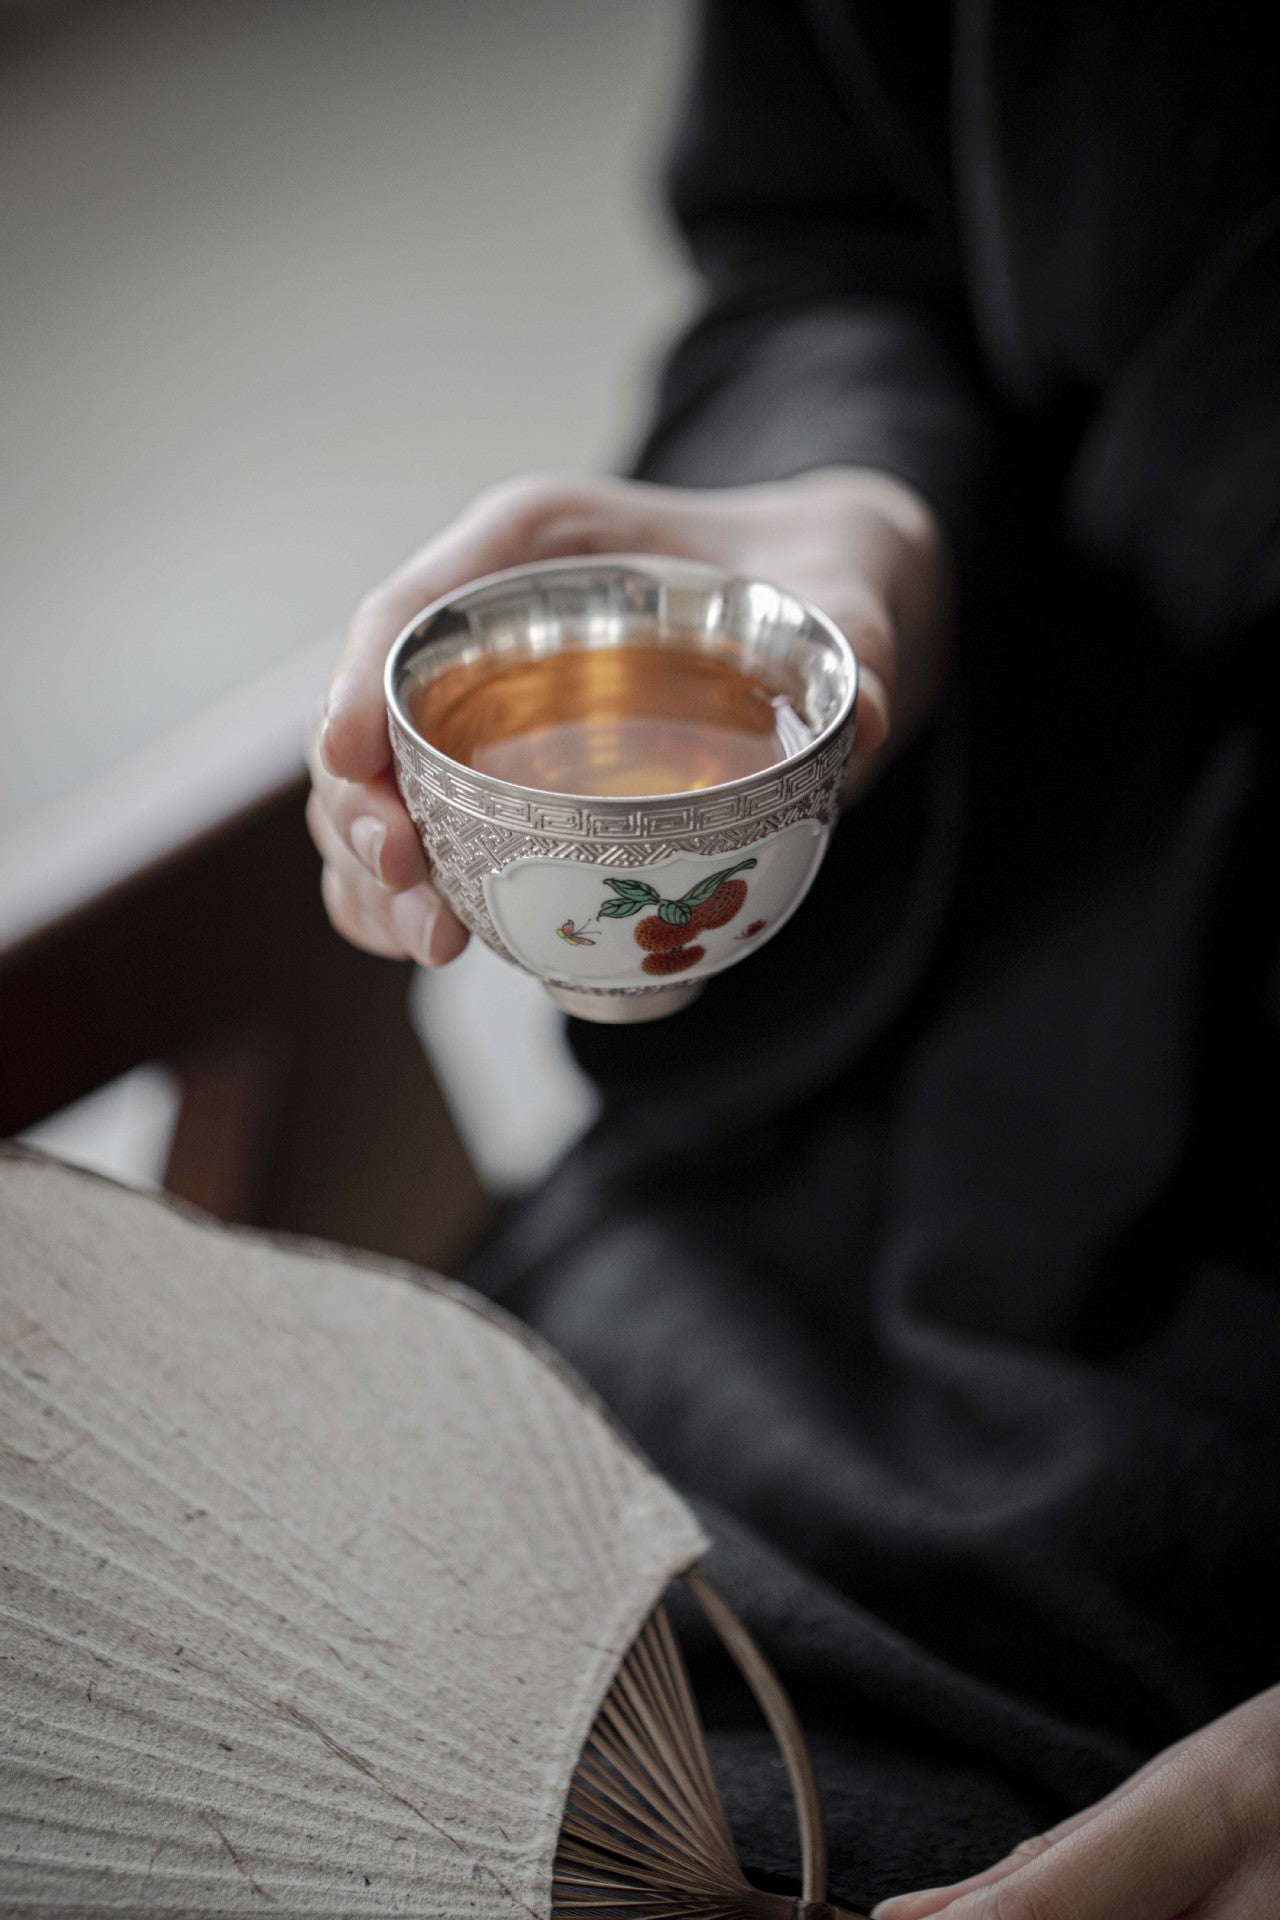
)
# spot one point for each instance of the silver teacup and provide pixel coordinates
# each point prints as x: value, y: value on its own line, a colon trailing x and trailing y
x: 529, y: 872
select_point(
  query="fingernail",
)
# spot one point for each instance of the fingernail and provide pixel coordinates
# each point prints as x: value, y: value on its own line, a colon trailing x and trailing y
x: 414, y: 918
x: 367, y: 836
x: 326, y: 740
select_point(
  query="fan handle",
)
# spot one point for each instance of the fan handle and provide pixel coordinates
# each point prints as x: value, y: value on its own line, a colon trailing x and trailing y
x: 784, y: 1724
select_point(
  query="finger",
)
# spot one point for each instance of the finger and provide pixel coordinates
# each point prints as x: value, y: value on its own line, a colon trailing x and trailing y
x: 345, y: 905
x: 871, y: 728
x: 412, y: 925
x: 931, y: 1900
x: 415, y: 923
x: 866, y: 762
x: 864, y: 620
x: 369, y: 817
x: 522, y: 521
x: 1150, y: 1855
x: 894, y: 580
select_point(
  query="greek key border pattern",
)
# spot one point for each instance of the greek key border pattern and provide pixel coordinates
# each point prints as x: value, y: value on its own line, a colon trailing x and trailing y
x: 470, y: 830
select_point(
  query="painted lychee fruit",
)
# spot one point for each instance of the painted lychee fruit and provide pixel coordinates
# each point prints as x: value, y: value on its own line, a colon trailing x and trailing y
x: 657, y: 935
x: 676, y: 960
x: 660, y: 936
x: 719, y: 909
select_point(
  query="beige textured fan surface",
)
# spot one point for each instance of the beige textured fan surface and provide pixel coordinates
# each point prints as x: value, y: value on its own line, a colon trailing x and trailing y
x: 314, y: 1579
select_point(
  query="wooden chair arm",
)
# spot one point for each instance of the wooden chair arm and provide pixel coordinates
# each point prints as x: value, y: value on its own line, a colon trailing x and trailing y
x: 172, y: 913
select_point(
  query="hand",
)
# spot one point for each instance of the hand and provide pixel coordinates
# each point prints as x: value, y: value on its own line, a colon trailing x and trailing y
x: 1195, y: 1834
x: 859, y: 544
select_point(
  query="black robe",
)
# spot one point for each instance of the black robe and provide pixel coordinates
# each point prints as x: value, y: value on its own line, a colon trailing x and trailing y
x: 935, y: 1250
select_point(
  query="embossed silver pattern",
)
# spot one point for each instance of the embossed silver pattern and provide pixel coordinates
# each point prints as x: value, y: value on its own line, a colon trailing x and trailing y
x: 473, y: 829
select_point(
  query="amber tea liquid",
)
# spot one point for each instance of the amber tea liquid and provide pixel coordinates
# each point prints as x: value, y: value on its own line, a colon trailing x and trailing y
x: 635, y: 719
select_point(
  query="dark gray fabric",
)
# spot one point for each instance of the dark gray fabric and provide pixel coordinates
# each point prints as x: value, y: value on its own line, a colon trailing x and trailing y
x: 936, y: 1248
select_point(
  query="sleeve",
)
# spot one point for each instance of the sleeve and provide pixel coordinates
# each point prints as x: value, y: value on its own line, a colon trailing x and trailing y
x: 835, y: 330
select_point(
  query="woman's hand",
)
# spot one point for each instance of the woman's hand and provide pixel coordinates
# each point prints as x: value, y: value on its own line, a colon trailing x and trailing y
x: 859, y: 544
x: 1194, y: 1836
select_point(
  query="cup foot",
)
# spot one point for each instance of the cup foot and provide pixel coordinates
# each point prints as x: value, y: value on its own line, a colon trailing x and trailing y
x: 625, y: 1009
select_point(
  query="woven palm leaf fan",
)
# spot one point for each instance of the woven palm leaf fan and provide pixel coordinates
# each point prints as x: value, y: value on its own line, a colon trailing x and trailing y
x: 325, y: 1592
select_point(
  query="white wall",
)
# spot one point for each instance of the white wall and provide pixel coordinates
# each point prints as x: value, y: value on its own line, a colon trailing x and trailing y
x: 283, y: 285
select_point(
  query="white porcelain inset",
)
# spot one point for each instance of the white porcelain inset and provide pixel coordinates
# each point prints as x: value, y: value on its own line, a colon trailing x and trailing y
x: 587, y: 926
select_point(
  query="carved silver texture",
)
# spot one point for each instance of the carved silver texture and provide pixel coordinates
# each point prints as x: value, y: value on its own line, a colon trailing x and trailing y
x: 470, y: 827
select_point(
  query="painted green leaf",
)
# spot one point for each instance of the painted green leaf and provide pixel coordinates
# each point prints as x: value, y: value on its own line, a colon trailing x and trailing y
x: 705, y: 888
x: 675, y: 913
x: 620, y: 909
x: 638, y: 890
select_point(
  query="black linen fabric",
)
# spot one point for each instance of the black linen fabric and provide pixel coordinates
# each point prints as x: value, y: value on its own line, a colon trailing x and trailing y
x: 935, y: 1250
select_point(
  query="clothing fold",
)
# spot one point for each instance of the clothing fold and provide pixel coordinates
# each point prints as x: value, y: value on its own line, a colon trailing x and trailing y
x: 935, y: 1249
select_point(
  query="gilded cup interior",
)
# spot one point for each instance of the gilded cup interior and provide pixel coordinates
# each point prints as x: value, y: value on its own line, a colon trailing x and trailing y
x: 617, y: 600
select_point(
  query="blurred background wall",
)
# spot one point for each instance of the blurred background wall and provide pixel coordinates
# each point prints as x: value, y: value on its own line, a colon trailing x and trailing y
x: 284, y: 285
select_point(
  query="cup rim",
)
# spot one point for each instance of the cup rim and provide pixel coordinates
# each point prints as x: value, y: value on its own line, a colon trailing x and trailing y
x: 542, y: 796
